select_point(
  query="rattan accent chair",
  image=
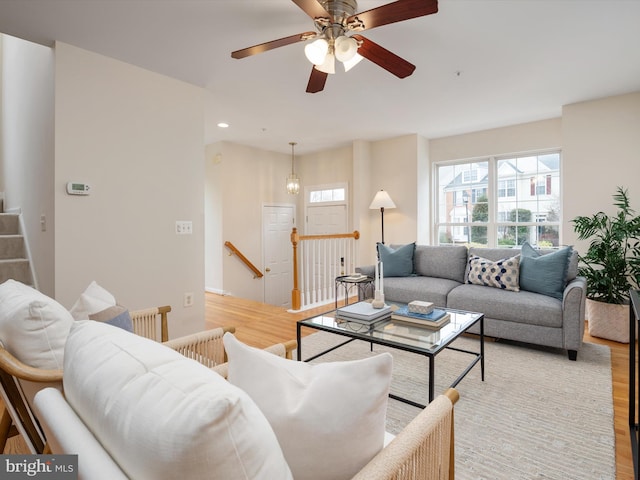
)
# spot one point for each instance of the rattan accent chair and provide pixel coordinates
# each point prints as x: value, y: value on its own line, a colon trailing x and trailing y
x: 423, y: 450
x: 19, y: 382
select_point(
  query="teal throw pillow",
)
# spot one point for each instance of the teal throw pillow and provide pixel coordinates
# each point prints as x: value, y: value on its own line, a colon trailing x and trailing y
x: 396, y: 262
x: 545, y: 274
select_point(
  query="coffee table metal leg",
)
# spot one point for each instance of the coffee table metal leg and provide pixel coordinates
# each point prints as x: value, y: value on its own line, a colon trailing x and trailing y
x: 482, y: 348
x: 431, y: 377
x: 299, y: 340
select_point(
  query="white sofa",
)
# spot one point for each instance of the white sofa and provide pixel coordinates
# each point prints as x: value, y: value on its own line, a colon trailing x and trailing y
x: 133, y: 408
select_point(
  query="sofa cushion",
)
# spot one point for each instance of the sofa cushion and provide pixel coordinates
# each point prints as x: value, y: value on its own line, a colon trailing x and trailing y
x: 513, y: 307
x: 408, y: 289
x: 329, y: 417
x: 33, y: 326
x: 545, y: 274
x: 162, y: 415
x: 501, y: 274
x: 397, y: 262
x: 442, y: 261
x: 94, y: 299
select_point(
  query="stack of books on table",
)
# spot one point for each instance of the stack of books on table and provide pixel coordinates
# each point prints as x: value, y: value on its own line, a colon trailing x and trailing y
x: 435, y: 319
x: 355, y: 277
x: 363, y: 312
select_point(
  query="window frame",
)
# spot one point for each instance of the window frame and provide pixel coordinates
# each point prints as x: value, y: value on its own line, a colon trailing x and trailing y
x: 494, y: 224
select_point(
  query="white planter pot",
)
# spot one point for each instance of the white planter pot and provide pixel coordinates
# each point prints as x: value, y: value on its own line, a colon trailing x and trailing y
x: 607, y: 320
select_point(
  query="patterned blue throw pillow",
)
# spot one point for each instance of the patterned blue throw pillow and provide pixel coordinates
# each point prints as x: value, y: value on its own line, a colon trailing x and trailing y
x: 502, y: 274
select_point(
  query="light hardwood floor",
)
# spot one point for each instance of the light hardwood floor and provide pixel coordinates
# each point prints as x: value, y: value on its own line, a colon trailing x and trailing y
x: 262, y: 325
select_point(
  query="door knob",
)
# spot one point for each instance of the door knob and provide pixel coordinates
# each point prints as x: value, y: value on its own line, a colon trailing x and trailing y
x: 267, y: 269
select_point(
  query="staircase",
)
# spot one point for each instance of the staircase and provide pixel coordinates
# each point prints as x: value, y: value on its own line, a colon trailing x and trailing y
x: 14, y: 262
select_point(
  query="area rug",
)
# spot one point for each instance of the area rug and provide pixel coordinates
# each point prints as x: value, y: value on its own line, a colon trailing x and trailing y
x: 537, y: 415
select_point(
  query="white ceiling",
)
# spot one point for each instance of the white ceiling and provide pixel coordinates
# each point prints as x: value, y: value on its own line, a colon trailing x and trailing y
x: 480, y: 63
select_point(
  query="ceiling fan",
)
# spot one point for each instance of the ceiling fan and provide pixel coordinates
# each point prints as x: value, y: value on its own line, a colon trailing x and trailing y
x: 333, y: 20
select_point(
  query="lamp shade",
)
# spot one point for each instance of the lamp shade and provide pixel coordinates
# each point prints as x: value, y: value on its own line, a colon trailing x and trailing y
x: 329, y: 65
x: 345, y: 48
x: 349, y: 64
x: 382, y: 200
x: 316, y: 51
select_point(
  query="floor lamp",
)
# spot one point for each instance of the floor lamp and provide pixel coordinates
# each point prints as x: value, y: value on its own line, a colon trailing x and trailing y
x: 382, y: 200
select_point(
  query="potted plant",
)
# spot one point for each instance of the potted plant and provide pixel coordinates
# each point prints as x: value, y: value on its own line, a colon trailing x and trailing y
x: 611, y: 266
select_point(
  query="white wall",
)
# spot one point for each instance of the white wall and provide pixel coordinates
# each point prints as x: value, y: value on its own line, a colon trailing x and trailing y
x: 394, y: 168
x: 137, y: 138
x: 362, y: 196
x: 246, y: 179
x: 28, y: 147
x: 601, y: 151
x: 544, y: 134
x: 213, y: 214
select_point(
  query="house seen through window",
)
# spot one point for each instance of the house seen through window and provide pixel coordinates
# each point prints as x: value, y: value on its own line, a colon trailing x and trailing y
x: 499, y: 201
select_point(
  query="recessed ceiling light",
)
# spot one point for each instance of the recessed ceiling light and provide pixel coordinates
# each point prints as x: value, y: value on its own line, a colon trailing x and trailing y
x: 223, y: 125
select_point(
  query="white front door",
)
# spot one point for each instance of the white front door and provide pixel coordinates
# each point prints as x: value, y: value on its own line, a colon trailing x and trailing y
x: 277, y: 222
x: 326, y: 220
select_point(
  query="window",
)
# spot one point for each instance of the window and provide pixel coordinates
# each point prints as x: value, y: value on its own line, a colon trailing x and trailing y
x: 499, y: 201
x: 327, y: 195
x: 506, y: 188
x: 541, y: 185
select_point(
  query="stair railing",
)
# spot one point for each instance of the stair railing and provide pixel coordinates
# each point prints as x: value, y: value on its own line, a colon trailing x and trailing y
x: 233, y: 250
x: 317, y: 261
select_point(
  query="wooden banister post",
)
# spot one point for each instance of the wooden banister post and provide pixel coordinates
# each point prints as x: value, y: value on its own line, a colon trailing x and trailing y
x: 295, y: 293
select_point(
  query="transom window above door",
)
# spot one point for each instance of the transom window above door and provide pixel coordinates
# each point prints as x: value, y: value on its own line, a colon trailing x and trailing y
x: 327, y: 195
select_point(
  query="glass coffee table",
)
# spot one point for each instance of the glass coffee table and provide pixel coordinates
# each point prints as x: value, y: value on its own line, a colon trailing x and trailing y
x: 403, y: 336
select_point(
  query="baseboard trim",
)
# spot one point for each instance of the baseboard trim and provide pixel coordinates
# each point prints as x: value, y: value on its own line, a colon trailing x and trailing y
x: 214, y: 290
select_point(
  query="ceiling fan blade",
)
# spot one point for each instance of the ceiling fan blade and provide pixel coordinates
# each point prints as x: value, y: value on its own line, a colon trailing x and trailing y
x: 263, y: 47
x: 392, y: 13
x: 384, y: 58
x: 313, y: 9
x: 316, y: 81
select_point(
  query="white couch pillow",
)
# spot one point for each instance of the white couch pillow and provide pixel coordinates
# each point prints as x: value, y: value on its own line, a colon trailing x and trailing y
x: 33, y: 326
x: 161, y: 415
x: 329, y: 418
x: 94, y: 299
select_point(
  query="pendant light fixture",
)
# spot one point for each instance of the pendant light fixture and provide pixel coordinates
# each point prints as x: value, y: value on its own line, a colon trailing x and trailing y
x: 293, y: 182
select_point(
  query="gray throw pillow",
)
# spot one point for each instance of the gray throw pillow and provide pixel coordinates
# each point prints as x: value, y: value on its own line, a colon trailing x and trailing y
x: 544, y: 274
x: 397, y: 262
x: 118, y: 316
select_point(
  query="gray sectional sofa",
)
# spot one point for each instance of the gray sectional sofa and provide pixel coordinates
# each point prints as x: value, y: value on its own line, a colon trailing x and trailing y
x: 441, y: 275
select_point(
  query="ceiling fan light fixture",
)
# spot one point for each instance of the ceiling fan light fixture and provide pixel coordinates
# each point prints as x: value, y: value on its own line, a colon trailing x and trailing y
x: 329, y: 65
x: 349, y: 64
x: 345, y: 48
x: 316, y: 51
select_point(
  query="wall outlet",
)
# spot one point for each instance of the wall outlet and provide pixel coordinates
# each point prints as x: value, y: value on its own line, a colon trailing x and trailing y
x: 188, y: 299
x: 184, y: 227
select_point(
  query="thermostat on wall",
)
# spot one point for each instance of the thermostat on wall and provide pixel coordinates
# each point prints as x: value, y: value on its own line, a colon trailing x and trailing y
x: 76, y: 188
